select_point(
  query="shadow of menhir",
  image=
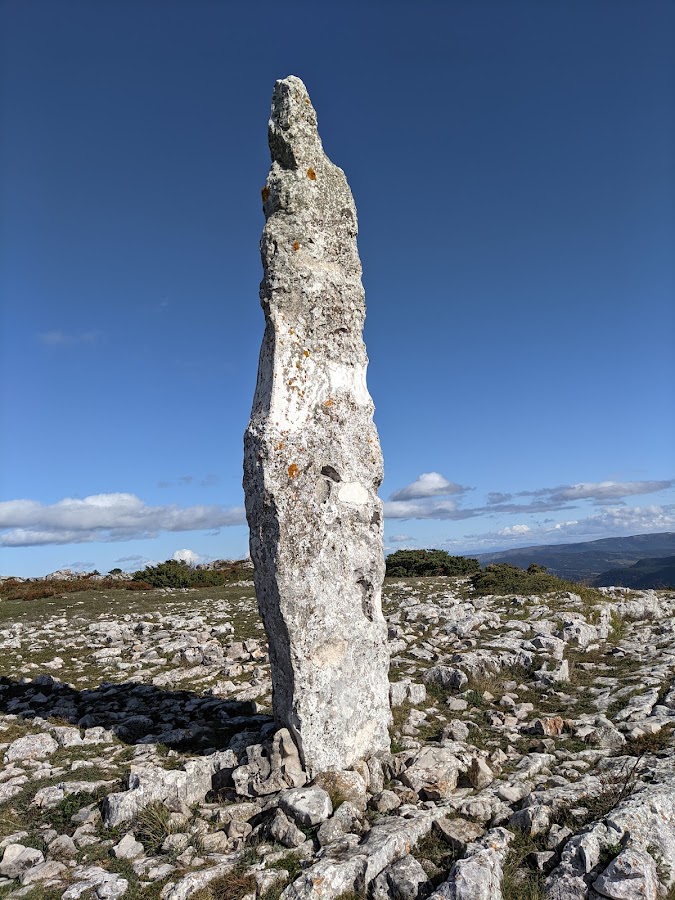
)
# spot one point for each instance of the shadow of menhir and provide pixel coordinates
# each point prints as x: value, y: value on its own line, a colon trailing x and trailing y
x: 136, y: 713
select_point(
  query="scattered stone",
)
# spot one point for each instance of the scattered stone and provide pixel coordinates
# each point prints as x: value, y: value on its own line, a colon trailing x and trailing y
x: 308, y: 805
x: 17, y: 858
x: 404, y: 880
x: 433, y: 773
x: 343, y: 786
x: 93, y: 881
x: 128, y: 847
x: 631, y: 876
x: 33, y: 746
x: 479, y: 875
x: 458, y: 833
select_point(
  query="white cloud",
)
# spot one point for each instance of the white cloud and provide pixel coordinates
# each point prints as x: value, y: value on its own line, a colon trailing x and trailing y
x: 601, y: 491
x: 613, y: 522
x: 104, y: 517
x: 515, y: 529
x: 621, y: 520
x: 426, y: 509
x: 401, y: 538
x: 429, y: 484
x: 188, y: 556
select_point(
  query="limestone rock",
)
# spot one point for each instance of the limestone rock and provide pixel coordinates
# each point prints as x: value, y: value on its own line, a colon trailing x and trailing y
x: 312, y: 459
x: 631, y: 876
x: 93, y: 881
x: 403, y: 880
x: 44, y: 871
x: 433, y: 773
x: 128, y: 847
x: 458, y: 833
x: 352, y: 869
x: 478, y: 876
x: 307, y: 806
x: 345, y: 785
x: 18, y: 858
x: 32, y: 746
x: 284, y: 832
x: 174, y: 787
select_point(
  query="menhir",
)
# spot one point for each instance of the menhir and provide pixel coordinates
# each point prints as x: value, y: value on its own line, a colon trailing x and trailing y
x: 312, y: 458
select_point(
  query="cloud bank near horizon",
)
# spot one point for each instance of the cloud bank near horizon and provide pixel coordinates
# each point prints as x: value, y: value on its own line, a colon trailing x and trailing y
x: 104, y: 517
x: 611, y: 522
x: 419, y: 500
x: 431, y: 496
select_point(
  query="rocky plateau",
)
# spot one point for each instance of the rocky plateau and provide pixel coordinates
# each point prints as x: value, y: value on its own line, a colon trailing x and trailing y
x: 531, y: 754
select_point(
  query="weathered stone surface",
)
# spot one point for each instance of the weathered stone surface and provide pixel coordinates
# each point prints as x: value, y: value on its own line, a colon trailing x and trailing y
x: 18, y: 858
x: 284, y: 832
x: 403, y: 880
x: 33, y: 746
x: 174, y: 787
x: 647, y: 819
x: 197, y: 881
x: 478, y: 876
x: 128, y: 847
x: 312, y: 460
x: 458, y: 833
x: 347, y: 785
x: 631, y: 876
x: 433, y: 773
x: 93, y: 881
x: 44, y: 871
x: 354, y: 869
x: 307, y: 806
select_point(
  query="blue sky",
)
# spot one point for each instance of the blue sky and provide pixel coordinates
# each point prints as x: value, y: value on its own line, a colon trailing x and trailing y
x: 512, y: 165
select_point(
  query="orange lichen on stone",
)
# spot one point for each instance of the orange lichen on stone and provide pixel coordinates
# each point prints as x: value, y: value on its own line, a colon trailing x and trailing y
x: 328, y: 402
x: 280, y: 445
x: 305, y: 353
x: 296, y: 245
x: 293, y: 471
x: 265, y: 193
x: 311, y: 174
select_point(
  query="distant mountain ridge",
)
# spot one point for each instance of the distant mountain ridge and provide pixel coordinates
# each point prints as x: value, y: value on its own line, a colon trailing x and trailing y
x: 657, y: 572
x: 590, y: 560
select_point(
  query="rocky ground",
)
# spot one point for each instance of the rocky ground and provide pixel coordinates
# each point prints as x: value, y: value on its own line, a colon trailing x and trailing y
x: 532, y: 752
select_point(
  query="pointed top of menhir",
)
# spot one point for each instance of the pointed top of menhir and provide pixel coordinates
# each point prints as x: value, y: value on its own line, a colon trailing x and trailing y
x: 292, y: 132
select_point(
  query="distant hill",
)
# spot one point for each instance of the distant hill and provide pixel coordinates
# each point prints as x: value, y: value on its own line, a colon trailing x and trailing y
x: 589, y: 560
x: 646, y: 573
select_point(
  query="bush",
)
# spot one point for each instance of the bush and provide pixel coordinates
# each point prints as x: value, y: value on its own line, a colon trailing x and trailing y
x: 418, y: 563
x: 503, y: 578
x: 39, y: 590
x: 178, y: 574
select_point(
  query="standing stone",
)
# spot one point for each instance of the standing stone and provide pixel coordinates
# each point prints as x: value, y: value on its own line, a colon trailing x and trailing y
x: 312, y: 458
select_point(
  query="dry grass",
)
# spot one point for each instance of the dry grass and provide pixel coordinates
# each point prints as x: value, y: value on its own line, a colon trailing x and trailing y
x: 519, y: 882
x: 152, y: 827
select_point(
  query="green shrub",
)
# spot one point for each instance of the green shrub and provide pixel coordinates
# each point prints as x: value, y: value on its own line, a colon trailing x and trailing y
x: 503, y: 578
x: 176, y: 573
x: 420, y: 563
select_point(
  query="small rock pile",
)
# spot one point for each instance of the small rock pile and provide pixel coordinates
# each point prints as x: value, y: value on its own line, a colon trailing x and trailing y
x: 532, y: 753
